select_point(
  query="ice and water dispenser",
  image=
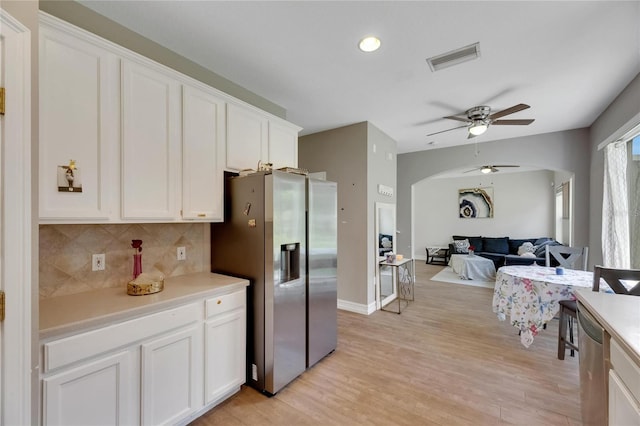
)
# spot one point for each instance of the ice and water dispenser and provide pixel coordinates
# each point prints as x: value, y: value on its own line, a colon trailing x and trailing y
x: 289, y: 262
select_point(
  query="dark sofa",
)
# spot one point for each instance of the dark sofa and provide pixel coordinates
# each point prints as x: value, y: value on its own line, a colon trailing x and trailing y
x: 504, y: 250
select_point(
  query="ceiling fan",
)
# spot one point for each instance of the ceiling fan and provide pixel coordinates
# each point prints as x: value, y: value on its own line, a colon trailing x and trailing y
x: 479, y: 118
x: 491, y: 169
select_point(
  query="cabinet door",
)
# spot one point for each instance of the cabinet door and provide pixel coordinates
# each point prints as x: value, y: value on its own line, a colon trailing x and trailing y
x: 202, y: 155
x: 171, y: 385
x: 150, y: 143
x: 79, y: 122
x: 225, y: 354
x: 99, y: 392
x: 246, y: 138
x: 283, y: 145
x: 623, y: 408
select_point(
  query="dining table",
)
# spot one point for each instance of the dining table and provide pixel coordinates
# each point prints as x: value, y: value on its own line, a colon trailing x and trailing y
x: 530, y: 295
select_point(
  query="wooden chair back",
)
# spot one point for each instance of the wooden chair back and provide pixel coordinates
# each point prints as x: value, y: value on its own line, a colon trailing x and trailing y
x: 567, y: 257
x: 614, y: 277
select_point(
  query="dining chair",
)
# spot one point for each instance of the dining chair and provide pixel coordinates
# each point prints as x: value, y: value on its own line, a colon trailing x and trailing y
x: 614, y: 277
x: 567, y: 257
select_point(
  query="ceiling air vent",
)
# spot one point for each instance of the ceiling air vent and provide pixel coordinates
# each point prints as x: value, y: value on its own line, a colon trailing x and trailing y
x: 454, y: 57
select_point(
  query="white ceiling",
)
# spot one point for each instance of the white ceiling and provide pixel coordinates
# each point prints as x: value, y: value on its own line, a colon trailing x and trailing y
x: 567, y: 59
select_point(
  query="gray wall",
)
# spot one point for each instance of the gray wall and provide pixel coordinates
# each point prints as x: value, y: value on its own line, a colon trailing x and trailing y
x: 619, y: 117
x: 86, y: 18
x: 381, y: 169
x: 342, y: 154
x: 567, y: 151
x: 346, y: 155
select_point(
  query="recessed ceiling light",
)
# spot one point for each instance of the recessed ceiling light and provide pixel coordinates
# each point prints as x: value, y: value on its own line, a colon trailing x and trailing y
x: 369, y: 44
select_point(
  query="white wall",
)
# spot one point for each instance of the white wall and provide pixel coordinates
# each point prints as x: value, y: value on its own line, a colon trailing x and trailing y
x: 524, y: 207
x: 568, y: 151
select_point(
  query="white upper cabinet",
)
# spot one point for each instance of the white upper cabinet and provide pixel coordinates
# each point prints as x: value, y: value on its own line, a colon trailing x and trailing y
x: 151, y: 155
x: 145, y: 143
x: 203, y: 132
x: 283, y: 144
x: 79, y: 123
x: 254, y: 136
x: 247, y: 142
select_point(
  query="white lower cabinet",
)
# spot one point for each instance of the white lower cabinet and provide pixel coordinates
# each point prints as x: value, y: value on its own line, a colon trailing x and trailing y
x: 225, y: 366
x: 624, y: 388
x: 171, y: 377
x: 166, y: 367
x: 97, y: 392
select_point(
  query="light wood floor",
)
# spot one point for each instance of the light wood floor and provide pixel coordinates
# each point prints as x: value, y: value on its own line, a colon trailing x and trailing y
x: 446, y: 360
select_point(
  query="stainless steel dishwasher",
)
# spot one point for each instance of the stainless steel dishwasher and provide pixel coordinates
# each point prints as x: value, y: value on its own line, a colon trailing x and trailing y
x: 593, y: 398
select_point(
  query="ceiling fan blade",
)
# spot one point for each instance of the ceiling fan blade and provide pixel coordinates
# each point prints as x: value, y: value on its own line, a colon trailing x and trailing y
x: 471, y: 135
x: 505, y: 165
x: 472, y: 170
x: 448, y: 130
x: 522, y: 122
x: 508, y: 111
x: 453, y: 117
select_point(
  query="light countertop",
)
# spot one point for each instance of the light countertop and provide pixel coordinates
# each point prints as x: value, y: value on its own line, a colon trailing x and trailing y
x: 83, y: 311
x: 619, y: 314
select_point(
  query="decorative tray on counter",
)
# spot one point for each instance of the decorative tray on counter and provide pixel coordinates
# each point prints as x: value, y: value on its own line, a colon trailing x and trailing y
x: 145, y: 284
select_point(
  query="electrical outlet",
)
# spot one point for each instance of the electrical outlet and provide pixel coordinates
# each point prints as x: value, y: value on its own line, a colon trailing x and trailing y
x: 182, y: 253
x: 98, y: 262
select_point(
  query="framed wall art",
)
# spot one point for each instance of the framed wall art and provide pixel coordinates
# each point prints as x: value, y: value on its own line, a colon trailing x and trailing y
x: 475, y: 203
x: 69, y: 179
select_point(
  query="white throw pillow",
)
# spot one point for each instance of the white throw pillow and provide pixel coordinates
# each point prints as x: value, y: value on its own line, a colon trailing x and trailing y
x: 526, y: 248
x: 461, y: 246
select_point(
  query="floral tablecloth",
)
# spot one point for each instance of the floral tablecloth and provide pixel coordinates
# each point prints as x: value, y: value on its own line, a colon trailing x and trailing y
x: 529, y: 295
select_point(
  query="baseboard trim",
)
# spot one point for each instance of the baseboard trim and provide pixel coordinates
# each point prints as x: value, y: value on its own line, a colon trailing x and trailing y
x: 358, y: 308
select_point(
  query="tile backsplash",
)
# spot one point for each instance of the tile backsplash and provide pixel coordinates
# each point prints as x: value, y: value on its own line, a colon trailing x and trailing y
x: 66, y: 252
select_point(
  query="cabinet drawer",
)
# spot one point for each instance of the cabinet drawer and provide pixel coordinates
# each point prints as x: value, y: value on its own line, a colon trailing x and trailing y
x: 225, y: 303
x: 70, y: 349
x: 626, y: 368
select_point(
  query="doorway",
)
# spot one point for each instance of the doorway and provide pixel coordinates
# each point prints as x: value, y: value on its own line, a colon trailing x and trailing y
x: 385, y: 234
x: 15, y: 222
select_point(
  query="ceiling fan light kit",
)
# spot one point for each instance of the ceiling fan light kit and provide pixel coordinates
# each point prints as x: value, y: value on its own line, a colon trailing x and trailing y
x: 491, y: 169
x: 478, y: 127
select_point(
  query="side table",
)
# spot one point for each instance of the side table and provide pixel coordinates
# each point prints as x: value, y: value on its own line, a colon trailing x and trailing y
x: 403, y: 280
x: 437, y: 255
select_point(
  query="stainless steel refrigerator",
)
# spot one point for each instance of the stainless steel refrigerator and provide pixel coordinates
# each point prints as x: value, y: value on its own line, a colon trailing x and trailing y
x: 263, y: 239
x: 322, y: 269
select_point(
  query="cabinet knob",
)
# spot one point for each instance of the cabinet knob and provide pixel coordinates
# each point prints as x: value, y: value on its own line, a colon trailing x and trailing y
x: 219, y: 302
